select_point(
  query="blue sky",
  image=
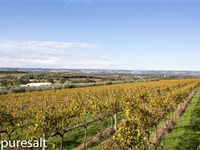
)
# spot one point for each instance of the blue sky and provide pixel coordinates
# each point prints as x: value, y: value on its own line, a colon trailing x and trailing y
x: 99, y: 34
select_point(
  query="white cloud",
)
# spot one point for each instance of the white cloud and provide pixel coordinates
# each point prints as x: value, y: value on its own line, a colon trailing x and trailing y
x: 36, y: 45
x: 41, y: 61
x: 51, y: 54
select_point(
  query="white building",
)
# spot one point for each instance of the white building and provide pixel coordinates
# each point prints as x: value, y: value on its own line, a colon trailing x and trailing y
x: 37, y: 84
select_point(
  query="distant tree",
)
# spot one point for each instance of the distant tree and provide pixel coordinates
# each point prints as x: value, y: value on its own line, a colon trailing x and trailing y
x: 4, y: 83
x: 62, y: 80
x: 89, y: 81
x: 18, y: 82
x: 50, y: 80
x: 9, y: 77
x: 26, y: 77
x: 31, y: 76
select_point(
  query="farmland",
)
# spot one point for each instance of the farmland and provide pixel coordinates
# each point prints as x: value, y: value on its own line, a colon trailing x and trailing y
x: 130, y: 110
x: 11, y: 81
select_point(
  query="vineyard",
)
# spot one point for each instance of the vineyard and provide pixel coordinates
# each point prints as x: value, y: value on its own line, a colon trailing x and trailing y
x: 55, y: 113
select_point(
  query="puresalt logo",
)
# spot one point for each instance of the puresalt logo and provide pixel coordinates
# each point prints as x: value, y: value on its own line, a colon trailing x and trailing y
x: 41, y: 143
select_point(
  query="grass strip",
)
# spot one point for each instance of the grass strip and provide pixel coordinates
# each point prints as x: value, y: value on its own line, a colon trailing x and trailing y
x: 186, y: 133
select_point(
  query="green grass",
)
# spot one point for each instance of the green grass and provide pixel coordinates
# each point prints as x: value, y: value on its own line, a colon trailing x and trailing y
x: 76, y: 137
x: 186, y: 133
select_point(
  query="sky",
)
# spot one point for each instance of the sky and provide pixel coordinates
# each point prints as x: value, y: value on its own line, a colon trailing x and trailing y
x: 100, y: 34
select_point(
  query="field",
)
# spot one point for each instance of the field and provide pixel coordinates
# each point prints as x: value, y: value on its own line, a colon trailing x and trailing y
x: 10, y: 81
x: 121, y: 116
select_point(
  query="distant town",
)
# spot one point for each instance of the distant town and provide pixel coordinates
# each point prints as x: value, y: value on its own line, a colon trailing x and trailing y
x: 105, y: 71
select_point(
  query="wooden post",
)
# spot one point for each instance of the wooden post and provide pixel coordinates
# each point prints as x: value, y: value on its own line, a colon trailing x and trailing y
x: 85, y: 128
x: 43, y: 137
x: 44, y: 118
x: 61, y: 142
x: 115, y: 121
x: 156, y: 130
x: 164, y: 123
x: 101, y: 120
x: 85, y: 139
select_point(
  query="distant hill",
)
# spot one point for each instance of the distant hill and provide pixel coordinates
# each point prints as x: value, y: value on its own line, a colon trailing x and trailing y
x: 104, y: 71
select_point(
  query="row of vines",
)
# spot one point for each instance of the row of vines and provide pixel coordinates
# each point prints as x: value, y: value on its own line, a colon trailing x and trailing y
x: 55, y: 113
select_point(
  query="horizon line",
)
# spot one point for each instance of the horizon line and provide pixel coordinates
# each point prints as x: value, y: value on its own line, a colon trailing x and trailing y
x: 100, y: 69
